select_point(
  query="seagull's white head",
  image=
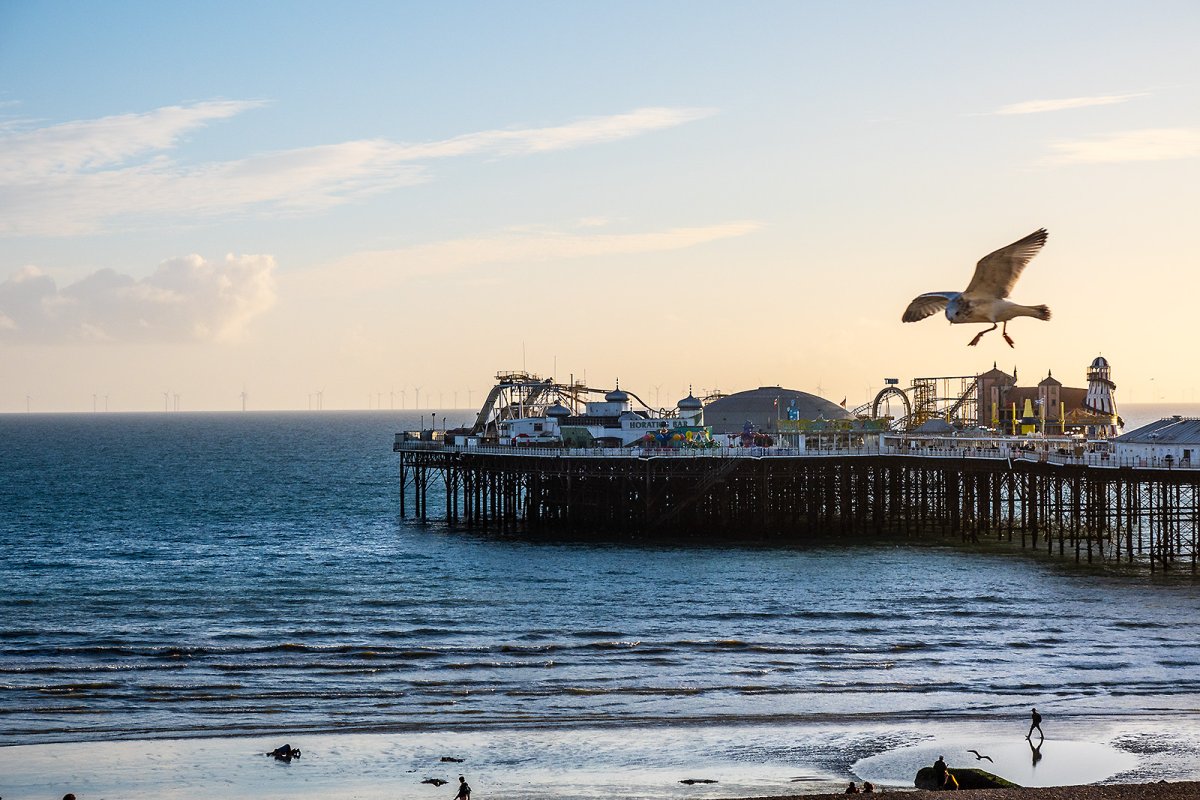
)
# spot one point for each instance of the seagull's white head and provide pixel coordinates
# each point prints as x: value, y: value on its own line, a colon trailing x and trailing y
x: 957, y: 309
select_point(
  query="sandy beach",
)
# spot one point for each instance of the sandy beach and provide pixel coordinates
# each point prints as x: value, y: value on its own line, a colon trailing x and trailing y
x: 745, y: 761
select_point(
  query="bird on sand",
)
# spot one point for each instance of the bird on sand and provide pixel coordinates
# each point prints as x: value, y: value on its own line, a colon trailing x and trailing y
x: 984, y: 298
x: 979, y: 757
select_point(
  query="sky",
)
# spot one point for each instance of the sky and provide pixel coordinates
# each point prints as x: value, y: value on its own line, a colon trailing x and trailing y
x: 388, y: 203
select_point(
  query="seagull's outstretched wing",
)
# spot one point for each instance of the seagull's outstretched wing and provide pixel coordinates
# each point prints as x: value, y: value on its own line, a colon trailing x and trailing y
x: 997, y: 273
x: 925, y: 304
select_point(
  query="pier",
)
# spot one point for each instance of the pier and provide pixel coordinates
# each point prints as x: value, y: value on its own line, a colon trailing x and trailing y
x: 1086, y: 507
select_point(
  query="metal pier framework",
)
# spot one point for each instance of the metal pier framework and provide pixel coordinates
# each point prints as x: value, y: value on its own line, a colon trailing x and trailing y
x: 1095, y: 514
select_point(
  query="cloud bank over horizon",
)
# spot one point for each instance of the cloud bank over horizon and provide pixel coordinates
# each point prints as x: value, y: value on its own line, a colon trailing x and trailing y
x: 186, y: 299
x: 92, y: 176
x: 1154, y: 144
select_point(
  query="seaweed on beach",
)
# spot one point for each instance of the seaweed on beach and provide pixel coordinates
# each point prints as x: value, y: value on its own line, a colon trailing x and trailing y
x: 1161, y: 756
x: 836, y: 752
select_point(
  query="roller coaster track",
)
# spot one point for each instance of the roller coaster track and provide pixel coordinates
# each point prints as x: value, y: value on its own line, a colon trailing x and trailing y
x: 529, y: 393
x: 971, y: 393
x: 922, y: 401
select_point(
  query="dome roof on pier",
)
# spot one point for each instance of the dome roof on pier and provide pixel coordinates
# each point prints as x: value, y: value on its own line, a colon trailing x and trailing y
x: 616, y: 395
x: 690, y: 403
x: 764, y: 405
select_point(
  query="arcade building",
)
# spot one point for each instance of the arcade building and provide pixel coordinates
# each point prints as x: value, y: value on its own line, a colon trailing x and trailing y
x: 1050, y: 408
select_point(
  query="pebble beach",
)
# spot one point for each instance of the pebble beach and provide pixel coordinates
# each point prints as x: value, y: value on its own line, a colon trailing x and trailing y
x: 1188, y: 790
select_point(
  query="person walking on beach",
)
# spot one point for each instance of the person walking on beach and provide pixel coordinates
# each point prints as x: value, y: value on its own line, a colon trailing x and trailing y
x: 464, y: 789
x: 1035, y: 725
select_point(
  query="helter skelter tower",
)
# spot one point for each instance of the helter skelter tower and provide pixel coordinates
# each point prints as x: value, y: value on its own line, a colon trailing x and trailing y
x: 1099, y: 400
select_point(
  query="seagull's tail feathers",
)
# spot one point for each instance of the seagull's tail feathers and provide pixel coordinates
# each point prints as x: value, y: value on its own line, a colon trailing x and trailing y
x: 1038, y: 312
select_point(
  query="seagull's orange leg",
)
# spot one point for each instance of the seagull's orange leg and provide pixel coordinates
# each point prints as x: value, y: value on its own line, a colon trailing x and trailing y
x: 979, y: 335
x: 1004, y: 333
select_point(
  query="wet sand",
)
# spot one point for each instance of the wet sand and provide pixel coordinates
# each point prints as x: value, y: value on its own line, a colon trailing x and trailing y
x: 1105, y: 760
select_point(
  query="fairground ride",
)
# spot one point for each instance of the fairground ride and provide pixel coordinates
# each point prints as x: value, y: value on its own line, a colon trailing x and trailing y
x: 953, y: 398
x: 523, y: 394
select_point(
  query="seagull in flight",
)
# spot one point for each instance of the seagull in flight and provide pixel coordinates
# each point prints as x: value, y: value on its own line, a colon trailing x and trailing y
x: 984, y: 298
x: 979, y: 757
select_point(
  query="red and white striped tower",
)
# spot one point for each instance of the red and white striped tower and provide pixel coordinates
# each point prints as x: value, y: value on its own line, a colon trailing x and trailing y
x: 1100, y: 400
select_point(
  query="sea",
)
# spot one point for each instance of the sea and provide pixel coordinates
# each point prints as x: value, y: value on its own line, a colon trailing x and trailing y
x: 246, y: 577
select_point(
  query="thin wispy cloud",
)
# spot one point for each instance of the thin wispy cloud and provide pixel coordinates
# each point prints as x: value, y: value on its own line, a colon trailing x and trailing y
x: 1065, y: 103
x: 1154, y: 144
x: 87, y: 145
x: 186, y: 299
x: 83, y: 177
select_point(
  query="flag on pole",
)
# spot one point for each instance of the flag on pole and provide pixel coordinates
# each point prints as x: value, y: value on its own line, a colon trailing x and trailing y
x: 843, y: 402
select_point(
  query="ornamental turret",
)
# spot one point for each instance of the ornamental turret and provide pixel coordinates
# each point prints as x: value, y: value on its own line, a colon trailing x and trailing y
x: 691, y: 409
x: 618, y: 397
x: 1050, y: 404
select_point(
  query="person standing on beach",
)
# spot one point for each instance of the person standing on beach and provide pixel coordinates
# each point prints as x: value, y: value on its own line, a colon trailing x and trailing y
x: 1035, y: 725
x: 464, y: 789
